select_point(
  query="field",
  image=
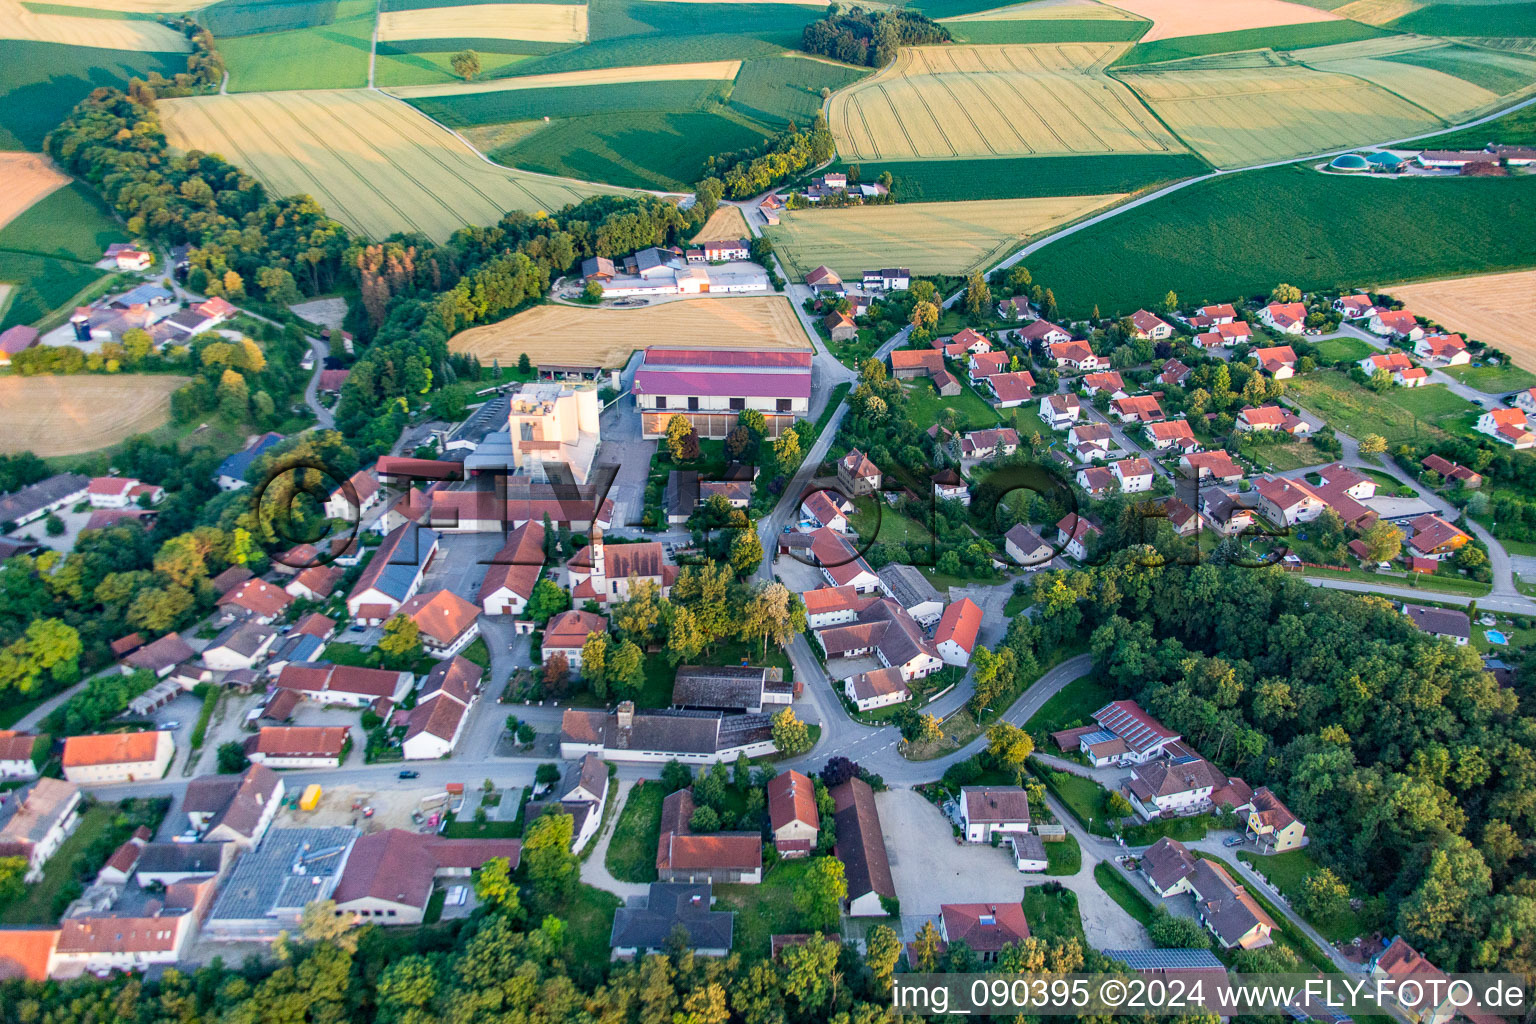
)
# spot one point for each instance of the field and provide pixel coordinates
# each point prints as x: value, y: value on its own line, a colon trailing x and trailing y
x: 1239, y: 116
x: 1377, y: 12
x: 1053, y: 30
x: 720, y: 71
x: 1456, y: 19
x: 24, y: 179
x: 608, y: 336
x: 395, y: 70
x: 330, y: 55
x: 1448, y: 81
x: 1239, y: 234
x: 1283, y: 37
x: 994, y: 101
x: 1497, y: 72
x: 1405, y: 414
x: 507, y: 105
x: 374, y: 163
x: 119, y: 8
x: 1514, y: 129
x: 252, y: 17
x: 788, y: 88
x: 725, y: 224
x: 1029, y: 177
x: 1046, y: 10
x: 645, y: 149
x: 1343, y: 349
x: 930, y: 238
x: 540, y: 23
x: 1499, y: 309
x: 69, y: 415
x: 47, y: 252
x: 1174, y: 18
x: 16, y: 22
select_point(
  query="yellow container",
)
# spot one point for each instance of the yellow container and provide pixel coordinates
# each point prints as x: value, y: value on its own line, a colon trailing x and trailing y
x: 311, y: 798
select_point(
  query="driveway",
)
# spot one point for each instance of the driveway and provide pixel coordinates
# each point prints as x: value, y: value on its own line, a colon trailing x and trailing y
x: 929, y: 868
x: 629, y: 456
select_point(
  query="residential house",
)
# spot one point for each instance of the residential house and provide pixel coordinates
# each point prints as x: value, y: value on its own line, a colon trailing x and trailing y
x: 985, y: 364
x: 1508, y: 426
x: 582, y: 794
x: 16, y: 339
x: 1449, y: 470
x: 1446, y: 623
x: 840, y: 564
x: 965, y: 342
x: 1278, y: 361
x: 986, y: 811
x: 718, y: 857
x: 1287, y: 502
x: 1216, y: 315
x: 1442, y: 350
x: 1149, y: 326
x: 230, y: 475
x: 1225, y: 334
x: 897, y: 279
x: 857, y: 475
x: 1526, y: 400
x: 1173, y: 373
x: 792, y: 814
x: 993, y: 443
x: 1413, y: 377
x: 883, y: 628
x: 132, y: 930
x: 1026, y: 547
x: 514, y: 572
x: 1272, y: 825
x: 1074, y: 535
x: 167, y: 864
x: 1172, y: 786
x: 1169, y: 434
x: 393, y: 575
x: 861, y: 847
x: 118, y: 757
x: 239, y: 645
x: 1108, y: 381
x: 1092, y: 441
x: 447, y: 623
x: 159, y: 656
x: 16, y: 754
x: 1227, y: 909
x: 650, y: 924
x: 1430, y: 536
x: 908, y: 587
x: 1043, y: 332
x: 1060, y: 411
x: 1076, y: 355
x: 1124, y: 733
x: 1399, y: 963
x: 434, y: 725
x: 1098, y: 481
x: 1132, y: 475
x: 352, y: 685
x: 1271, y: 417
x: 35, y: 820
x: 877, y: 688
x: 712, y: 387
x: 824, y: 279
x: 121, y: 492
x: 1355, y: 307
x: 1136, y: 409
x: 1167, y: 866
x: 955, y: 636
x: 1396, y: 324
x: 234, y: 809
x: 1285, y: 317
x: 299, y: 746
x: 1183, y: 519
x: 1012, y: 389
x: 655, y: 737
x: 985, y: 928
x: 255, y: 600
x: 823, y: 510
x: 566, y: 633
x: 1016, y: 308
x: 357, y: 495
x: 948, y: 485
x: 1389, y: 361
x: 1227, y: 513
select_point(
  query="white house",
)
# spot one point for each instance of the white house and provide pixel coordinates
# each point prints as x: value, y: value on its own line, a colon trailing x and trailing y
x: 1507, y: 426
x: 1173, y: 786
x: 1133, y: 475
x: 1442, y: 350
x: 437, y: 721
x: 299, y: 746
x: 358, y: 495
x: 118, y: 757
x: 1396, y: 323
x: 1060, y: 411
x: 393, y: 575
x: 1026, y: 547
x: 955, y: 636
x: 877, y: 688
x: 16, y: 754
x: 239, y: 645
x: 985, y: 810
x: 42, y: 817
x: 1074, y: 534
x: 514, y: 571
x: 1285, y: 317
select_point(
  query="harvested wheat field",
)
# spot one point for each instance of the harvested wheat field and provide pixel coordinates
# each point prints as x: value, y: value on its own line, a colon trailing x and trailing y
x: 1499, y: 309
x: 24, y: 179
x: 607, y: 336
x: 1174, y: 18
x: 1049, y: 10
x: 1443, y: 95
x: 726, y: 224
x: 376, y: 164
x: 956, y: 101
x: 930, y: 238
x: 69, y: 415
x: 1377, y: 12
x: 708, y: 71
x: 1240, y: 116
x: 539, y: 23
x: 16, y: 22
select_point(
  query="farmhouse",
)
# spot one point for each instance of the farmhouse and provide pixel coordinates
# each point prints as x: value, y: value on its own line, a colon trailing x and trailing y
x: 352, y: 685
x: 832, y: 606
x: 955, y: 636
x: 35, y: 821
x: 712, y: 387
x: 1285, y: 317
x: 840, y: 564
x: 1442, y: 350
x: 1279, y: 362
x: 883, y: 628
x: 909, y: 363
x: 840, y: 326
x: 35, y: 501
x: 16, y: 339
x: 878, y: 688
x: 435, y: 724
x: 719, y: 857
x: 655, y: 737
x: 792, y: 814
x: 861, y: 848
x: 299, y: 746
x: 734, y: 688
x: 118, y: 757
x: 239, y: 645
x: 908, y: 587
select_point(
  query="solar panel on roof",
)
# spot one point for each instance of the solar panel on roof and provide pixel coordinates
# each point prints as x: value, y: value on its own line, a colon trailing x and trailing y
x: 1164, y: 959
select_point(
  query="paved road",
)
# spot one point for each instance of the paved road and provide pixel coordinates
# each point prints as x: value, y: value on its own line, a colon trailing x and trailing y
x: 324, y: 419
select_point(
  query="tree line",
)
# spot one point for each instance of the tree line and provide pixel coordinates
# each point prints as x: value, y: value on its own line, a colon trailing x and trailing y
x: 869, y: 37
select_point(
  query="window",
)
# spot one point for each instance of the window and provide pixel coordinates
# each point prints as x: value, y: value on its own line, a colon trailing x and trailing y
x: 738, y: 404
x: 661, y: 401
x: 784, y: 405
x: 693, y: 404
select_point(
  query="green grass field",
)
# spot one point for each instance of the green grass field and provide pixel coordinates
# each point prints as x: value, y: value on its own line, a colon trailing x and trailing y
x: 497, y: 107
x: 780, y: 89
x: 1514, y: 129
x: 1242, y: 233
x: 764, y: 910
x: 332, y: 55
x: 1047, y: 30
x: 1119, y: 889
x: 1497, y: 72
x: 640, y: 150
x: 1351, y: 349
x: 249, y: 17
x: 1070, y: 707
x: 632, y: 849
x: 433, y: 68
x: 40, y: 82
x: 1279, y: 37
x: 1029, y: 177
x: 48, y: 252
x: 1288, y: 871
x: 1053, y: 915
x: 1492, y: 380
x: 1455, y: 19
x: 1064, y: 858
x: 1402, y: 414
x: 71, y: 11
x: 417, y: 5
x: 925, y: 405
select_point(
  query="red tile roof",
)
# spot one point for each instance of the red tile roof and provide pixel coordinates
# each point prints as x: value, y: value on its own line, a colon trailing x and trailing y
x: 961, y: 623
x: 441, y: 615
x: 792, y: 797
x: 258, y: 596
x: 115, y: 748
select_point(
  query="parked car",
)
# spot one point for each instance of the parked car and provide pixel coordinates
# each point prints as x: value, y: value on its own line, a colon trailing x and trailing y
x: 1234, y: 841
x: 409, y: 774
x: 172, y: 724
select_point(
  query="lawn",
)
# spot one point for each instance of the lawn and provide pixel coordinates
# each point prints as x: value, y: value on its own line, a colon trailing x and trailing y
x: 1404, y: 414
x: 36, y: 905
x: 1492, y: 380
x: 1070, y: 707
x: 1063, y: 858
x: 588, y: 917
x: 1288, y: 871
x: 1052, y: 913
x: 926, y: 405
x: 1046, y: 30
x: 1240, y: 233
x: 643, y: 150
x: 1113, y: 882
x: 1283, y: 457
x: 48, y: 253
x: 632, y: 850
x: 1025, y: 177
x: 44, y: 286
x: 877, y: 523
x: 764, y: 910
x: 1350, y: 350
x: 1083, y: 797
x: 40, y: 82
x: 333, y: 55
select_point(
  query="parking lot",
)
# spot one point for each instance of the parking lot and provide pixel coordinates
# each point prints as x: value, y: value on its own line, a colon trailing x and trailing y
x: 930, y: 868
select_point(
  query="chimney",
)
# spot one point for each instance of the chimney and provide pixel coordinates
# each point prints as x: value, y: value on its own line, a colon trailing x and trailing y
x: 626, y: 715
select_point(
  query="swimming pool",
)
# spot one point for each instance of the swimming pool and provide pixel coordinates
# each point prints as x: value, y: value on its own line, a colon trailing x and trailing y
x: 1496, y: 637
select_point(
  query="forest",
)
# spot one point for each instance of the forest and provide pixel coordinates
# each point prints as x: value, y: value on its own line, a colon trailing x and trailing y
x: 870, y: 37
